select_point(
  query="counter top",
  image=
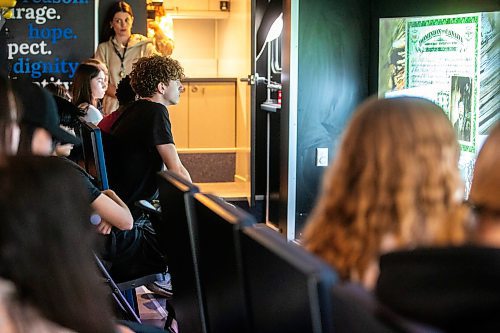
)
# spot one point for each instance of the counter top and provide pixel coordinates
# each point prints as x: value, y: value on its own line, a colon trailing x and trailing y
x: 209, y: 79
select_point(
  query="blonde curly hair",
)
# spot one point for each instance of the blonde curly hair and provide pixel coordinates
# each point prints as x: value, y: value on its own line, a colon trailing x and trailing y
x: 150, y: 71
x: 397, y: 174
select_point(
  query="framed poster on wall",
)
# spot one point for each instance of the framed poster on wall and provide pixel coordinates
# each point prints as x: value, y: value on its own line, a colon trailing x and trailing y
x: 452, y: 61
x: 45, y: 40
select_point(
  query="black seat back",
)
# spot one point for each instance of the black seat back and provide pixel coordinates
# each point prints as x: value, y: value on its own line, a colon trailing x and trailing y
x: 287, y: 288
x: 175, y: 238
x: 93, y: 154
x: 216, y: 224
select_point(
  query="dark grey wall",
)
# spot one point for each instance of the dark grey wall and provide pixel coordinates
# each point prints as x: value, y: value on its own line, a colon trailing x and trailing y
x: 338, y: 67
x: 332, y: 80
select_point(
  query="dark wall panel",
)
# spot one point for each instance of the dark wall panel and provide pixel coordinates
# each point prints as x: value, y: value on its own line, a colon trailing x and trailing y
x: 332, y: 81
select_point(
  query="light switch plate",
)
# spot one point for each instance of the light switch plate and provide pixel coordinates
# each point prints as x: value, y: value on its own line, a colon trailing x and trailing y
x: 321, y: 156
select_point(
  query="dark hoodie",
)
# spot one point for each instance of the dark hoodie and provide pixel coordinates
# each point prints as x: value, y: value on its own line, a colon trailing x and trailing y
x: 455, y: 289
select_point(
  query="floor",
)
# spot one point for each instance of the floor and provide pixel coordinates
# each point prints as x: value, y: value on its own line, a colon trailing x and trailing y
x: 151, y: 307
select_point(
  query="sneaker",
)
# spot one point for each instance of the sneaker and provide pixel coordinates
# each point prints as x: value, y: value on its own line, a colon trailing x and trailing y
x: 161, y: 288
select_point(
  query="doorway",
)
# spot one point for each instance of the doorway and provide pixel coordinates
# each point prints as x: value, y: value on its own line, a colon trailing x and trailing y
x: 213, y: 121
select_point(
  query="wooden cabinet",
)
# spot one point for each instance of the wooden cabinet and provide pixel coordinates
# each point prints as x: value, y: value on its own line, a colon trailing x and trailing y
x: 205, y: 116
x: 212, y: 115
x: 213, y: 5
x: 202, y: 5
x: 188, y: 4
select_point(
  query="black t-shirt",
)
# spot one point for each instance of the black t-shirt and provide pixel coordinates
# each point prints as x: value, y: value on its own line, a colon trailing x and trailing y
x: 131, y: 154
x: 92, y: 191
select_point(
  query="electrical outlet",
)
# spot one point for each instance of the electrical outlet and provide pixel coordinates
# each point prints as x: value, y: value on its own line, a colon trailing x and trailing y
x: 321, y: 156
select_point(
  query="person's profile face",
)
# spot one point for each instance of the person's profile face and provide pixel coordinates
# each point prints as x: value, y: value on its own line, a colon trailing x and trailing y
x: 98, y: 85
x: 173, y: 92
x: 122, y: 24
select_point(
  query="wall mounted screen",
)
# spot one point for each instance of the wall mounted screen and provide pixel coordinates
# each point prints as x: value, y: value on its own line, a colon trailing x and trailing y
x: 451, y: 60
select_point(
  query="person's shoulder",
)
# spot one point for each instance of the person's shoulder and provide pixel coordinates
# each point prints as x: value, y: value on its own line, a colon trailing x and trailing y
x: 145, y: 104
x: 104, y: 45
x: 138, y: 40
x: 68, y: 163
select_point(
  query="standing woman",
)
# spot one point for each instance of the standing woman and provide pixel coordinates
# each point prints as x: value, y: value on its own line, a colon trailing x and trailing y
x: 89, y: 86
x: 121, y: 50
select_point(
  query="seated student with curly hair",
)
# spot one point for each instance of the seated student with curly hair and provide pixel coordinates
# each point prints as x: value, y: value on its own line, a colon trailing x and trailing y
x: 142, y: 137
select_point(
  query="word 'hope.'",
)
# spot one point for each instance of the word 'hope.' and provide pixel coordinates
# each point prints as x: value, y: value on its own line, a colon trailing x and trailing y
x: 54, y: 34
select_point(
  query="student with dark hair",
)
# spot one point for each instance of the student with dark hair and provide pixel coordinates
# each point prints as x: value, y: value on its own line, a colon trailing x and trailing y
x: 120, y: 49
x: 142, y: 137
x: 131, y: 251
x: 58, y: 89
x: 69, y: 121
x: 89, y: 86
x: 125, y: 95
x: 39, y: 121
x: 40, y: 129
x: 48, y: 281
x: 102, y: 66
x: 45, y: 229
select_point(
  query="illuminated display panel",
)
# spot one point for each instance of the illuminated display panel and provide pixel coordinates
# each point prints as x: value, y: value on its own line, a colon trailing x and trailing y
x: 451, y: 60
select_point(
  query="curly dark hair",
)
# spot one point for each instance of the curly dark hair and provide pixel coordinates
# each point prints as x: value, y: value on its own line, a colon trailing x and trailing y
x: 148, y: 72
x: 124, y: 92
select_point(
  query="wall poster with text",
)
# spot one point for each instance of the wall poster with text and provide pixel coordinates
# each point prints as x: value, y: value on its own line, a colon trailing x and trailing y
x: 443, y: 58
x: 451, y: 60
x: 45, y: 40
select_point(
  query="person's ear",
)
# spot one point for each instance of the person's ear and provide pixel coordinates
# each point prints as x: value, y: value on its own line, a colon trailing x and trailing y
x: 161, y: 88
